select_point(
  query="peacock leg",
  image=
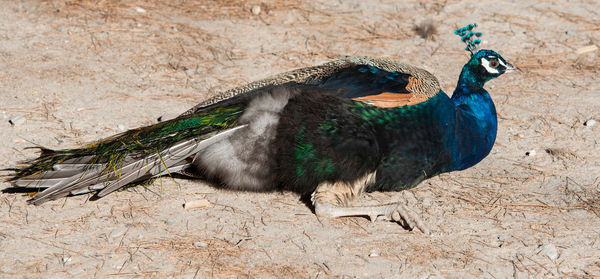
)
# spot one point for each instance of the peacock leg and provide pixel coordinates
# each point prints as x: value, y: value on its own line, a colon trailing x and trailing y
x: 332, y: 200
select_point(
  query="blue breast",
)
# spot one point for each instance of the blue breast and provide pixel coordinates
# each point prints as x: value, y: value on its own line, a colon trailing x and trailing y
x: 436, y: 136
x: 417, y: 141
x: 476, y: 127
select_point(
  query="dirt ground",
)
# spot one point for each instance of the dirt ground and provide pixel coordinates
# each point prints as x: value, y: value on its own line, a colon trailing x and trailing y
x: 75, y: 71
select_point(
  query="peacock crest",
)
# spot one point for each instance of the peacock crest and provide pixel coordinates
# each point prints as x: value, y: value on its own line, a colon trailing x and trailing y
x: 469, y: 37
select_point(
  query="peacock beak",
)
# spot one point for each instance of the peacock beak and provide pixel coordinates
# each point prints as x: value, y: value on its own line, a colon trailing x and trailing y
x: 511, y: 68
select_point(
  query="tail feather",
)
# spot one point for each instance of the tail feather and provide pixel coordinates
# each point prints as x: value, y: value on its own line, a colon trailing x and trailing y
x: 56, y: 173
x: 177, y: 168
x: 162, y: 161
x: 74, y: 162
x: 135, y: 155
x: 57, y: 178
x: 107, y: 181
x: 183, y: 165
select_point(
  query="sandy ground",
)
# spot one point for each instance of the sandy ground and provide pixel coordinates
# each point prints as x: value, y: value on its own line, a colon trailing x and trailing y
x: 75, y: 71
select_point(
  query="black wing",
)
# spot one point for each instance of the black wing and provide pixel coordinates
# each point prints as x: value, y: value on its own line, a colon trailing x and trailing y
x: 374, y: 81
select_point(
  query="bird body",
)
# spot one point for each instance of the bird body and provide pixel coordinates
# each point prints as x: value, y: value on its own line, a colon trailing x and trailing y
x: 333, y: 131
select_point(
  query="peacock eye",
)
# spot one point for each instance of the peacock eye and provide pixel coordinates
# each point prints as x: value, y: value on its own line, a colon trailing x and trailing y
x: 494, y: 63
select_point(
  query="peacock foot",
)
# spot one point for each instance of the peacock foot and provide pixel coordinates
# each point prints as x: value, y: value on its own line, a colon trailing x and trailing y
x: 396, y: 212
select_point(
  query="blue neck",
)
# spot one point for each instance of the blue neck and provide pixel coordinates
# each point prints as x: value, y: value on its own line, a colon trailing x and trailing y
x: 476, y: 122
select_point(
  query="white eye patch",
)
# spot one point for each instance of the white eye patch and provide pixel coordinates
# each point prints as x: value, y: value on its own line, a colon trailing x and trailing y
x: 502, y: 63
x: 486, y: 65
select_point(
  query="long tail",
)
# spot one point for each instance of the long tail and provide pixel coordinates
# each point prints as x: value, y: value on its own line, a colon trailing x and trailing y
x: 133, y: 156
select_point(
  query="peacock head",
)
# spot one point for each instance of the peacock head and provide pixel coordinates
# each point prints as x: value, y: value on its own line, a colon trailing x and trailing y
x: 487, y: 64
x: 484, y: 64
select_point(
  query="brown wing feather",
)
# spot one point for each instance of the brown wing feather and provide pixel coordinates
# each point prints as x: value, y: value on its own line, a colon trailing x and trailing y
x: 391, y: 100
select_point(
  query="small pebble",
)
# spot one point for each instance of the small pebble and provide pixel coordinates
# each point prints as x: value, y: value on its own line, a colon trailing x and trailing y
x: 530, y: 153
x: 586, y: 49
x: 121, y: 127
x: 140, y: 10
x: 255, y: 9
x: 169, y: 222
x: 197, y: 204
x: 59, y: 29
x: 373, y: 254
x: 200, y: 244
x: 590, y: 123
x: 17, y: 120
x: 549, y: 250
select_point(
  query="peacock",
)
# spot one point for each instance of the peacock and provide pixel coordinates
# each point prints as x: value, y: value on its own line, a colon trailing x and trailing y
x: 328, y: 132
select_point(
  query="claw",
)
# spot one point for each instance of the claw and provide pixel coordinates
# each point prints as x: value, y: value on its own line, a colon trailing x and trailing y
x: 373, y: 218
x: 396, y: 212
x: 402, y: 215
